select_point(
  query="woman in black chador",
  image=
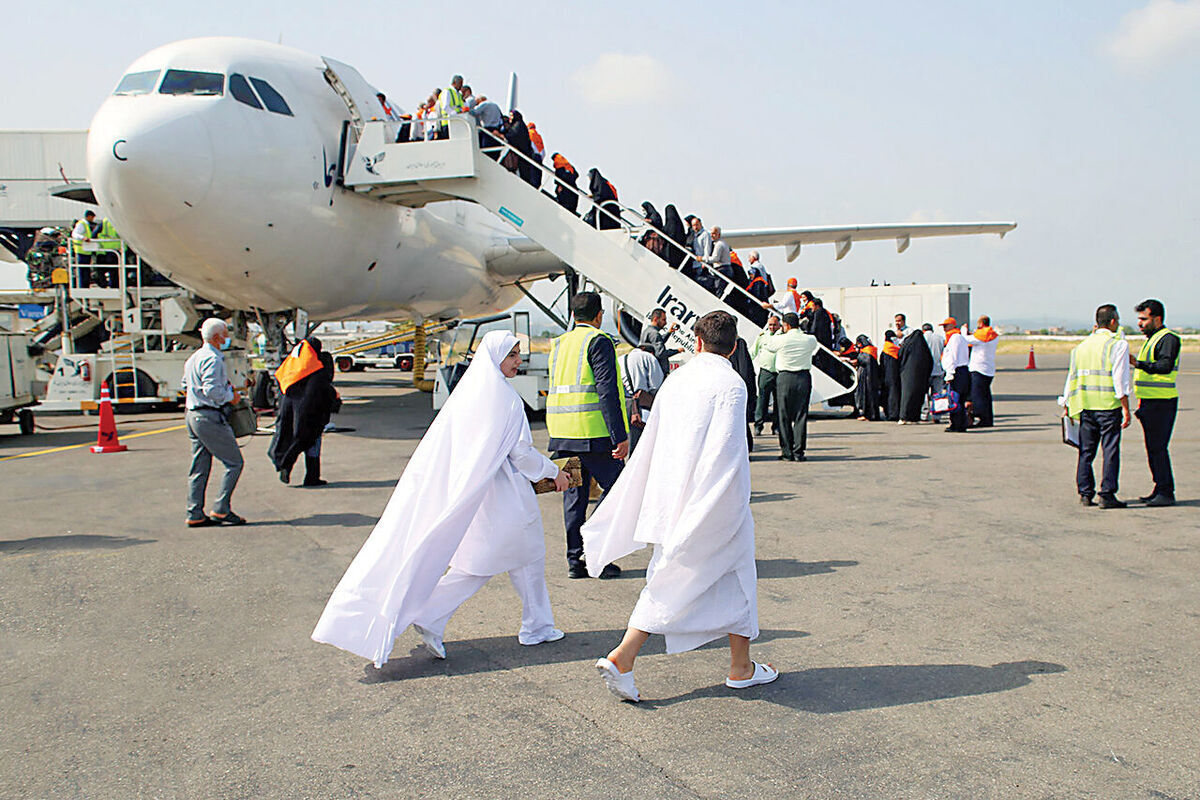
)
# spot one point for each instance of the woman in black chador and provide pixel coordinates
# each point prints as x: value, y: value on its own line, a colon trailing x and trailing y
x: 866, y: 391
x: 604, y: 195
x: 916, y: 362
x: 889, y: 385
x: 304, y: 411
x: 673, y: 228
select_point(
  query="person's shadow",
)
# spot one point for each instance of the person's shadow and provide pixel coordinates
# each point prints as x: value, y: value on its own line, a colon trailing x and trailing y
x: 833, y: 690
x: 791, y: 568
x: 497, y: 653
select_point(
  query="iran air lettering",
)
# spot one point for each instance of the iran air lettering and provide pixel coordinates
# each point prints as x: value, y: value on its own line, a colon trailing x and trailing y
x: 678, y: 310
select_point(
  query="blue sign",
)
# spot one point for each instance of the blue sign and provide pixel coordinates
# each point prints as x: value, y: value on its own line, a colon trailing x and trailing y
x: 511, y: 217
x: 32, y: 310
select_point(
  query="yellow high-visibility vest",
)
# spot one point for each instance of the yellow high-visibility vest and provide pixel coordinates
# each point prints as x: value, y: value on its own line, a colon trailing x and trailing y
x: 450, y: 101
x: 108, y: 239
x: 77, y: 244
x: 573, y: 404
x: 1090, y: 381
x: 1149, y: 386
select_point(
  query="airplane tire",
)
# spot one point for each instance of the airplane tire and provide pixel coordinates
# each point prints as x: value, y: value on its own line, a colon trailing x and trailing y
x: 25, y: 421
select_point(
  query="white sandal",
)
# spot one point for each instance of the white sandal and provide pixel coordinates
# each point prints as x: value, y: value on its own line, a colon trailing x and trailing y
x: 619, y: 683
x: 763, y: 673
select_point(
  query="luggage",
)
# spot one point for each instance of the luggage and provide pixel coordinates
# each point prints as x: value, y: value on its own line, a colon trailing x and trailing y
x: 241, y: 418
x: 945, y: 402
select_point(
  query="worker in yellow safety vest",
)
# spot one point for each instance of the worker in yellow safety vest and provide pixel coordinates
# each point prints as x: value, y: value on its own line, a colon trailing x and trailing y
x: 586, y: 417
x: 81, y: 246
x: 450, y: 102
x: 1156, y: 370
x: 1096, y: 394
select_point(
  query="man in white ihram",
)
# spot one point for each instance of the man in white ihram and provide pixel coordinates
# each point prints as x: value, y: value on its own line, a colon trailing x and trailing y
x: 686, y: 490
x: 465, y: 501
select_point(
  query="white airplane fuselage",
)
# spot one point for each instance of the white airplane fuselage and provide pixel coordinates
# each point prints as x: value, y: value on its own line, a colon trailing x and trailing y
x: 240, y: 204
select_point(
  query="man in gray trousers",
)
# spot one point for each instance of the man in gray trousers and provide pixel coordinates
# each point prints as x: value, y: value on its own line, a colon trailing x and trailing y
x: 208, y: 389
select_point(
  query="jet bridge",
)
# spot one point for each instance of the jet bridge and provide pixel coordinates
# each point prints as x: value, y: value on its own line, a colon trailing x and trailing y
x: 458, y: 167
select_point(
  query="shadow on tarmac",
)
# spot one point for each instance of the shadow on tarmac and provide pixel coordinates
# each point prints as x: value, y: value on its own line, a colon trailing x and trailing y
x: 1024, y: 398
x: 903, y: 457
x: 773, y: 568
x: 834, y: 690
x: 347, y: 520
x: 770, y: 497
x: 498, y: 653
x: 380, y: 484
x: 791, y: 568
x: 76, y: 541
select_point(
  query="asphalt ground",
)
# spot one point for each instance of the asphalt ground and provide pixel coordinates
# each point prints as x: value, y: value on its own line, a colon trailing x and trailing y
x: 949, y: 622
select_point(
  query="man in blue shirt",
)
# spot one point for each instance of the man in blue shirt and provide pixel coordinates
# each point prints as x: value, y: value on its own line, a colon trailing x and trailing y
x: 208, y: 390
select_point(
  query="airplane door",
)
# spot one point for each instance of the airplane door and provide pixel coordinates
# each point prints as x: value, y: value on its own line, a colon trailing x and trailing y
x: 360, y: 96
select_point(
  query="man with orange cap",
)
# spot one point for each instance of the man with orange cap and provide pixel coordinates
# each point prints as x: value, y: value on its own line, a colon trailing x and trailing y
x: 955, y: 361
x: 786, y: 302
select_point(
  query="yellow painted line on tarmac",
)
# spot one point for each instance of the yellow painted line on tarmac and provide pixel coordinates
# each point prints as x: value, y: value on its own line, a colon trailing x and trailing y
x: 89, y: 444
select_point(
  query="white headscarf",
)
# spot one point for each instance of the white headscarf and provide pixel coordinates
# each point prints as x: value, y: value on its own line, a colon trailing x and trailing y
x: 435, y: 500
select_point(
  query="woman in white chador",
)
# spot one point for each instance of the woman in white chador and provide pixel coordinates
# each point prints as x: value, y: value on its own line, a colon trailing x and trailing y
x: 686, y: 490
x: 465, y: 502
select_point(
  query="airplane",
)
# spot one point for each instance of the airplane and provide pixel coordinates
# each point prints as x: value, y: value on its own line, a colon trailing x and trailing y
x: 217, y: 160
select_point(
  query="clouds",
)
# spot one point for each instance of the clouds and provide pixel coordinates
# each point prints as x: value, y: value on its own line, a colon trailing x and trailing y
x: 1151, y: 35
x: 616, y: 79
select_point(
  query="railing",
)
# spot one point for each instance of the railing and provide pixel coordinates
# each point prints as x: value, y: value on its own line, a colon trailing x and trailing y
x: 629, y: 220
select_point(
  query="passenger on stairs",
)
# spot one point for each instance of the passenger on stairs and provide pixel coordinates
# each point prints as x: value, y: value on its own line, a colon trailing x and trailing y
x: 607, y: 213
x: 517, y: 135
x: 565, y: 172
x: 651, y: 215
x: 787, y: 301
x: 491, y: 121
x: 539, y: 147
x: 700, y: 244
x: 673, y: 228
x: 761, y: 285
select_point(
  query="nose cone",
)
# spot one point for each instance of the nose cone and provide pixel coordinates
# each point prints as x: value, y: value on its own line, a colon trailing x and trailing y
x: 150, y: 160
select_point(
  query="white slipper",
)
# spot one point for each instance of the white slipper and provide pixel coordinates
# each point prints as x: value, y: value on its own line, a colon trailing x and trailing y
x: 762, y: 674
x: 553, y: 636
x: 619, y: 683
x: 432, y: 642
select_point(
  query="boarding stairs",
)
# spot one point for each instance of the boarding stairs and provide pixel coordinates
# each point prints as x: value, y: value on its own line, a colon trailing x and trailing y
x: 417, y: 173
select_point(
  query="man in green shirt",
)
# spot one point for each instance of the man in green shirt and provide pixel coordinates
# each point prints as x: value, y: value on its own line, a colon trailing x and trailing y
x: 793, y: 350
x: 764, y: 362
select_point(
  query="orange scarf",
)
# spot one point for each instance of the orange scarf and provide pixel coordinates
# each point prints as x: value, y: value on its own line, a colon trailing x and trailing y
x: 872, y: 351
x: 300, y: 363
x: 891, y: 349
x: 950, y: 333
x: 986, y: 334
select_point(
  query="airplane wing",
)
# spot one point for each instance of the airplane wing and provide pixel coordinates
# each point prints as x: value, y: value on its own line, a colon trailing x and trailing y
x: 843, y: 236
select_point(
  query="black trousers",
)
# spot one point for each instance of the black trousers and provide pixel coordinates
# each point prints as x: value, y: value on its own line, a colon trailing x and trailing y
x: 981, y: 398
x: 793, y: 390
x: 605, y: 469
x: 766, y: 394
x: 1099, y: 429
x: 960, y: 383
x: 1158, y: 420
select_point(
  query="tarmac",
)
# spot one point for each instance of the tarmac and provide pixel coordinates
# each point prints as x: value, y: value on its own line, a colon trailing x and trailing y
x: 949, y: 622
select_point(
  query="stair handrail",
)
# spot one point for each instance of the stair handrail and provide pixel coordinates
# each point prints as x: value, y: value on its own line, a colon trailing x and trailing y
x: 730, y: 286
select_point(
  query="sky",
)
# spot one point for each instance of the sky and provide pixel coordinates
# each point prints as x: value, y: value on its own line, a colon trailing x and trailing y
x: 1076, y: 120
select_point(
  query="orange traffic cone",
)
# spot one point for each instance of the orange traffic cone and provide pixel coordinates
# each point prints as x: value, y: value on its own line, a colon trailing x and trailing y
x: 107, y: 441
x: 1032, y: 364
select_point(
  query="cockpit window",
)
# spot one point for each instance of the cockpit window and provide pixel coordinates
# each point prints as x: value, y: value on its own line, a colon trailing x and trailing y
x: 241, y: 91
x: 273, y: 99
x: 138, y: 83
x: 182, y: 81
